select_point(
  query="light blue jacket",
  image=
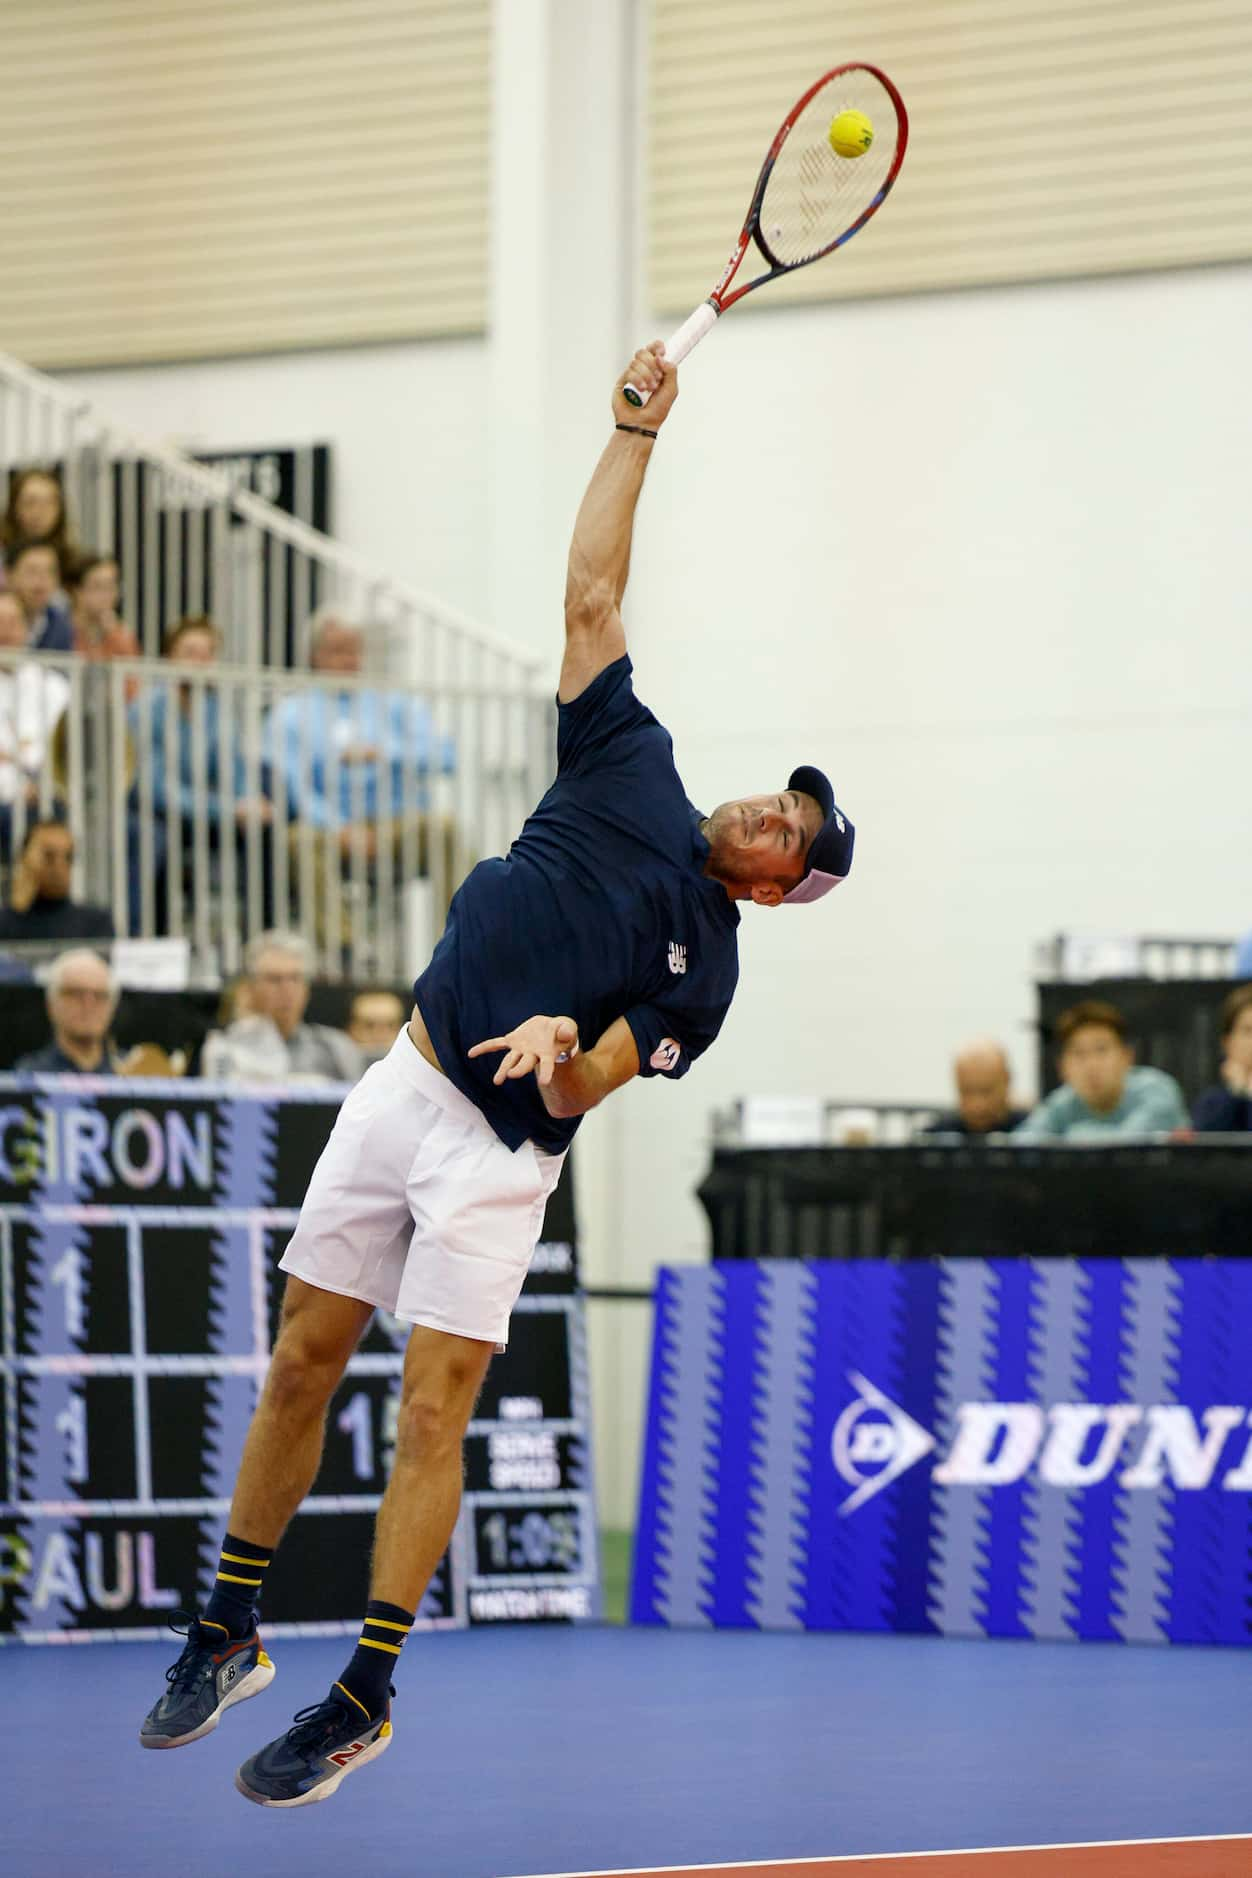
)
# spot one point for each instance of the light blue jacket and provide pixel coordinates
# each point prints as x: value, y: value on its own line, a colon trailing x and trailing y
x: 1151, y: 1104
x: 302, y: 731
x: 179, y: 791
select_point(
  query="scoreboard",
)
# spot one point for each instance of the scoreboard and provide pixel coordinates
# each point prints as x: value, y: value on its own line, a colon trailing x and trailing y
x: 141, y: 1225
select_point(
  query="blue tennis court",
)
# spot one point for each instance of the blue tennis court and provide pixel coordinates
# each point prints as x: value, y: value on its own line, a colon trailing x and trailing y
x: 524, y: 1750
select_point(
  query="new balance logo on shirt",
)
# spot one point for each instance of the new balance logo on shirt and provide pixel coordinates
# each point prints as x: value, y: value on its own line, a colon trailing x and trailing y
x: 677, y: 957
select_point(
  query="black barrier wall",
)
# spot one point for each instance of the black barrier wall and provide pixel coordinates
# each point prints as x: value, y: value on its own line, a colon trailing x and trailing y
x: 947, y: 1200
x: 141, y: 1226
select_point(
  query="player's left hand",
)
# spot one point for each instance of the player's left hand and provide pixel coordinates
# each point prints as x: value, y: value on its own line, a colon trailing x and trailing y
x: 533, y: 1047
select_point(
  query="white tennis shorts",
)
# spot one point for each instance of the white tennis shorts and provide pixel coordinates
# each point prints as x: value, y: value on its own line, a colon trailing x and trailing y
x: 417, y: 1206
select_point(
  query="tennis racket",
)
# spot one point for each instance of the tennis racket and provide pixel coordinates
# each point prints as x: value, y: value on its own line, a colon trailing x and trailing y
x: 808, y: 201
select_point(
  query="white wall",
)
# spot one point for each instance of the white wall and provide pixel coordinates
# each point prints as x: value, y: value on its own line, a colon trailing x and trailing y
x: 407, y: 423
x: 982, y: 556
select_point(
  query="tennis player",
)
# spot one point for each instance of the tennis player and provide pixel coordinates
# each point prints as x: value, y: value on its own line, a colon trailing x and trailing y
x: 602, y: 947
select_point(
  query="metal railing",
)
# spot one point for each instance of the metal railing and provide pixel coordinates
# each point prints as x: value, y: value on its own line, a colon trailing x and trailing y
x: 211, y: 802
x: 188, y: 541
x: 842, y: 1124
x: 1073, y: 957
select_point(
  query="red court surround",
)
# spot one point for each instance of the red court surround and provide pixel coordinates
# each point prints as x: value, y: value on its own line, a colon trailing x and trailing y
x: 1158, y: 1858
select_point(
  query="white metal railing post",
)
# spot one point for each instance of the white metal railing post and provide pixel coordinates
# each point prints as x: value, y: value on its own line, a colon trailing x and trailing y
x: 75, y: 782
x: 202, y: 799
x: 152, y: 632
x: 332, y: 883
x: 227, y: 845
x: 114, y: 741
x: 143, y: 791
x: 359, y: 862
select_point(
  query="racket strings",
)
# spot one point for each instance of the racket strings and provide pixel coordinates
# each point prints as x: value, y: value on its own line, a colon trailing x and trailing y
x: 813, y: 195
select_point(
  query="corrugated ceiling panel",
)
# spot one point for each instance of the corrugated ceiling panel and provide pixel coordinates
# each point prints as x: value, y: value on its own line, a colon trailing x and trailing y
x: 1082, y: 137
x: 184, y: 180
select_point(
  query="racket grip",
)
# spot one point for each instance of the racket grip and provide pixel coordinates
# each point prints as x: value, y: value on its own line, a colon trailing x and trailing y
x: 678, y: 345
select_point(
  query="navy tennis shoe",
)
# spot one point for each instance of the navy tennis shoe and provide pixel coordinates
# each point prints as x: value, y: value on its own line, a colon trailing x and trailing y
x: 327, y: 1743
x: 212, y: 1674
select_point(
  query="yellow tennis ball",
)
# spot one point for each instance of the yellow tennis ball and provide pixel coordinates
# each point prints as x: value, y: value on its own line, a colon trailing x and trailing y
x: 851, y: 134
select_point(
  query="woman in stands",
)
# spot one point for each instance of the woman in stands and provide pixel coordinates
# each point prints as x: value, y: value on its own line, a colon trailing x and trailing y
x: 36, y: 513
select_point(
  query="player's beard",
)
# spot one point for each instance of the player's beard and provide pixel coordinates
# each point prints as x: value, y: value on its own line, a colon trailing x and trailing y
x: 729, y: 860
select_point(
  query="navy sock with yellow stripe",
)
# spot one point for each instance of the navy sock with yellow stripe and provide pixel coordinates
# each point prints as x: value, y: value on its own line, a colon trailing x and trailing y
x: 237, y: 1587
x: 367, y: 1678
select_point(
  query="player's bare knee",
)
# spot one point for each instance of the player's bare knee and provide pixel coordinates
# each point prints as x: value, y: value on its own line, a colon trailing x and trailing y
x: 308, y: 1361
x: 294, y: 1380
x: 429, y: 1423
x: 319, y: 1331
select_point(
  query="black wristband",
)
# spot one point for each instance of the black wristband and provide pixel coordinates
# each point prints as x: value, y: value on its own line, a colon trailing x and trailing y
x: 638, y: 430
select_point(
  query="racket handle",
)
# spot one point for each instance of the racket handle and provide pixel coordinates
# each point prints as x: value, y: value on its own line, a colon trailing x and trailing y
x: 678, y: 345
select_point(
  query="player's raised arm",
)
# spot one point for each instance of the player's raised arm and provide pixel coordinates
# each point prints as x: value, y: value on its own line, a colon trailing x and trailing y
x: 599, y: 555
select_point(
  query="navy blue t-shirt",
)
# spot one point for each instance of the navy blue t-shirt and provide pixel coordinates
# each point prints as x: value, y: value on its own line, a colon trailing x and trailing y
x: 601, y: 909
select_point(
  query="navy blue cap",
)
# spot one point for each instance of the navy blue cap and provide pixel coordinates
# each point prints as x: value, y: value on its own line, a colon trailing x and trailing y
x: 829, y: 857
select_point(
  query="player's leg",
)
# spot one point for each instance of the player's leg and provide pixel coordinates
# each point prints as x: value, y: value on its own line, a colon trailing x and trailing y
x: 317, y: 1335
x: 442, y: 1377
x: 223, y: 1661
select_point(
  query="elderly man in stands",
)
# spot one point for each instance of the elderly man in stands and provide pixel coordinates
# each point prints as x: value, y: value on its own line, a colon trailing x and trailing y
x: 34, y: 575
x: 82, y: 997
x: 984, y: 1094
x: 1103, y: 1096
x: 354, y: 762
x: 273, y: 1043
x: 40, y: 908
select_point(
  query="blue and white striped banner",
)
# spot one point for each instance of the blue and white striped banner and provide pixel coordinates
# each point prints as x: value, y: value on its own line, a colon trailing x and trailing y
x: 1012, y: 1448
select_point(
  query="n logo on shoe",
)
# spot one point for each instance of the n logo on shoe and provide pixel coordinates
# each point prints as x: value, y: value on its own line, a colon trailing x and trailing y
x: 345, y: 1755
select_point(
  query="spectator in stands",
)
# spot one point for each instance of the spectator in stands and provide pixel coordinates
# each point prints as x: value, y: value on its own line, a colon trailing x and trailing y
x: 1226, y: 1109
x: 186, y: 794
x: 374, y: 1022
x: 82, y: 997
x: 1243, y: 957
x: 32, y: 700
x: 235, y: 1001
x: 40, y: 906
x: 354, y: 763
x: 274, y: 1044
x: 94, y: 591
x: 984, y: 1093
x: 34, y: 575
x: 1102, y: 1095
x: 36, y: 513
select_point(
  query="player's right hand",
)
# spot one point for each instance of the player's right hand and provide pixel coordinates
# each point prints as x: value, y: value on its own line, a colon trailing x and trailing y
x: 534, y: 1047
x: 652, y: 372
